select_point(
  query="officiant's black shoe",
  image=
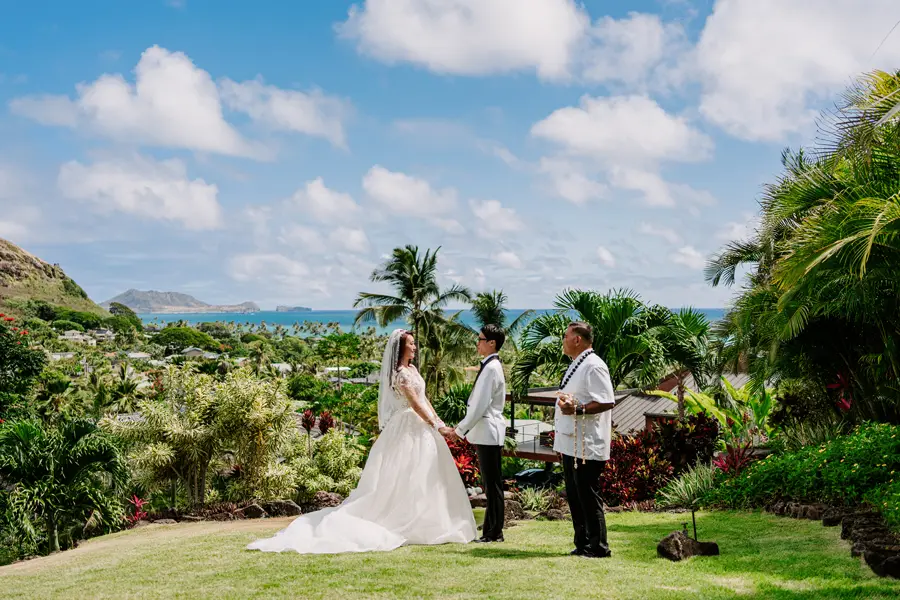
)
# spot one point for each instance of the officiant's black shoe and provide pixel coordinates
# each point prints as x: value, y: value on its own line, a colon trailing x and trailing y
x: 589, y: 554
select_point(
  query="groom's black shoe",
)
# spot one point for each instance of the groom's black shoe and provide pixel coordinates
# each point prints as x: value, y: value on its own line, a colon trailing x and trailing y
x: 577, y: 552
x: 487, y: 540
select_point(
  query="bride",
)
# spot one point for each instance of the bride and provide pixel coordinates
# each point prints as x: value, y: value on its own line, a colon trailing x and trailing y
x: 409, y: 492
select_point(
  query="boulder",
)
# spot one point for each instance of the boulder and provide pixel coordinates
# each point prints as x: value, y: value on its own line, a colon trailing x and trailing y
x: 554, y: 514
x: 832, y: 517
x: 478, y: 501
x: 513, y: 511
x: 252, y: 511
x: 141, y: 523
x: 165, y: 522
x: 678, y: 546
x: 282, y: 508
x: 221, y: 516
x: 191, y: 518
x: 814, y: 512
x: 884, y: 560
x: 323, y: 500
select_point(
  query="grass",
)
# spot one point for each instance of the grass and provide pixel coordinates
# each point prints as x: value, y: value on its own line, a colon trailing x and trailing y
x: 762, y: 556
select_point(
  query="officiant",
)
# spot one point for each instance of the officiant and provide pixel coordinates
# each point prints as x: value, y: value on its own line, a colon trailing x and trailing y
x: 583, y: 424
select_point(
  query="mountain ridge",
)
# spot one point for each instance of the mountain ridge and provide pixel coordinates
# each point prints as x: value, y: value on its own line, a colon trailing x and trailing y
x: 152, y: 301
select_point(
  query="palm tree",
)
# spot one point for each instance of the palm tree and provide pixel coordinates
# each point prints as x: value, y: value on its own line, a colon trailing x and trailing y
x: 444, y: 344
x: 418, y: 298
x: 623, y: 337
x: 685, y: 337
x: 490, y: 308
x: 62, y: 475
x: 125, y: 391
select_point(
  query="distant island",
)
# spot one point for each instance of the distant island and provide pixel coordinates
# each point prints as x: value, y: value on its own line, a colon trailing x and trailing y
x: 290, y: 309
x: 173, y: 302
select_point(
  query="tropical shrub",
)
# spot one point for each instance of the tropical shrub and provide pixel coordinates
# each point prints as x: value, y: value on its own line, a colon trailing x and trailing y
x: 636, y: 469
x: 329, y: 464
x: 451, y: 406
x: 688, y: 442
x: 308, y: 388
x: 687, y: 490
x: 534, y: 499
x: 843, y: 471
x: 363, y: 369
x: 176, y: 339
x: 466, y: 461
x: 63, y: 479
x: 20, y: 364
x: 62, y: 325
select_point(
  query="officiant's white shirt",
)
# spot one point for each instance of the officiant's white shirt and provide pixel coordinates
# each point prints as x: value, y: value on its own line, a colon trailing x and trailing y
x: 589, y: 383
x: 484, y: 423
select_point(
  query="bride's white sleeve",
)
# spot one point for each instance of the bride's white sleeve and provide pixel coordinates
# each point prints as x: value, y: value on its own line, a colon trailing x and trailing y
x: 403, y: 383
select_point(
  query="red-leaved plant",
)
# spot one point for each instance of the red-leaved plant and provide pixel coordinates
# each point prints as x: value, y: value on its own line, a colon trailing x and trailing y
x: 466, y: 462
x: 138, y: 512
x: 326, y: 422
x: 308, y: 421
x: 735, y: 458
x: 636, y: 469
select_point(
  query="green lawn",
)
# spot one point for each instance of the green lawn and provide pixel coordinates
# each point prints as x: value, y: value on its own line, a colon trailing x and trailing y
x: 762, y: 556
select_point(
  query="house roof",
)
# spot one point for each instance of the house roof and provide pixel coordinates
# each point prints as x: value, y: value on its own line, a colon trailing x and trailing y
x: 629, y: 413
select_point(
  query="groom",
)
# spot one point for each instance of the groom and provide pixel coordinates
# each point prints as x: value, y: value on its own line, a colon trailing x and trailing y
x: 485, y: 427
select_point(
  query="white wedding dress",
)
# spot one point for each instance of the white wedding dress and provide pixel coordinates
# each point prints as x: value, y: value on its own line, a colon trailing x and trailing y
x: 410, y: 492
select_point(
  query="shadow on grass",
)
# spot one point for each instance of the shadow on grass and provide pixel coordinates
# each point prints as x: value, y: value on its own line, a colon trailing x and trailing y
x: 498, y: 551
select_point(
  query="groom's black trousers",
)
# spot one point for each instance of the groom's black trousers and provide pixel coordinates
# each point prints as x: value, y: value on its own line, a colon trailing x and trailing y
x: 492, y: 480
x: 586, y: 504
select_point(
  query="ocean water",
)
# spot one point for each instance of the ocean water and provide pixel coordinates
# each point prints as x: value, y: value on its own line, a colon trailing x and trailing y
x: 344, y: 318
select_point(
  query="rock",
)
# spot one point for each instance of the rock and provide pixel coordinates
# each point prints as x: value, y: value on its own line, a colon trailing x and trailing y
x: 141, y: 523
x: 832, y: 517
x: 165, y: 522
x: 478, y: 490
x: 813, y: 512
x: 777, y: 508
x: 478, y: 501
x: 513, y: 511
x: 677, y: 546
x: 191, y: 518
x: 282, y: 508
x: 794, y: 510
x: 884, y: 560
x: 858, y: 549
x: 252, y: 511
x: 866, y: 534
x: 859, y: 521
x: 555, y: 514
x: 323, y: 500
x: 222, y: 516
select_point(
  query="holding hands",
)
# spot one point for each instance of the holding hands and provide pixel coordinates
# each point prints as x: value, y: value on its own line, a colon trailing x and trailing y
x: 449, y: 433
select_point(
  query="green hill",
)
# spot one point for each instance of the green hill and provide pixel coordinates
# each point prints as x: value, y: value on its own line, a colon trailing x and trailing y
x: 24, y: 277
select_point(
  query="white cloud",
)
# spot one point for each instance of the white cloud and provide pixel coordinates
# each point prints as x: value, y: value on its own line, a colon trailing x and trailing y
x: 146, y: 188
x: 325, y: 204
x: 606, y: 257
x: 568, y: 180
x: 665, y: 233
x: 689, y: 257
x: 630, y: 130
x: 765, y: 65
x: 508, y: 259
x: 351, y: 240
x: 633, y: 49
x: 300, y: 236
x: 494, y: 219
x: 172, y: 103
x: 451, y: 226
x: 13, y: 230
x: 739, y: 230
x: 269, y: 268
x: 471, y: 37
x: 312, y: 113
x: 626, y: 138
x: 406, y: 194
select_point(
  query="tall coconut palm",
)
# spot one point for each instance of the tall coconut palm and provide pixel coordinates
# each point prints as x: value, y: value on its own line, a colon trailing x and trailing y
x: 417, y: 295
x: 490, y: 308
x: 686, y: 338
x: 623, y: 337
x: 62, y: 475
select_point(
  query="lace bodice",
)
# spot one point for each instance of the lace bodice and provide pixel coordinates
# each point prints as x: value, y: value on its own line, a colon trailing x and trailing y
x: 407, y: 382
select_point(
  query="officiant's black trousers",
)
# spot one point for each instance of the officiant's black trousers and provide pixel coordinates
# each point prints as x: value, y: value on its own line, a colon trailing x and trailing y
x: 492, y: 480
x: 586, y: 504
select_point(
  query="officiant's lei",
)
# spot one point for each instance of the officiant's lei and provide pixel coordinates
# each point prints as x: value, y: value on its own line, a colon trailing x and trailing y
x: 565, y: 381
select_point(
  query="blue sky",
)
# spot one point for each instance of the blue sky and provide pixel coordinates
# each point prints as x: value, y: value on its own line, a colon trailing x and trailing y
x: 276, y: 152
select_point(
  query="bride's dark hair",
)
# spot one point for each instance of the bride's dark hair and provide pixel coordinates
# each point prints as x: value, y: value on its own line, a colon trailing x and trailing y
x: 401, y: 348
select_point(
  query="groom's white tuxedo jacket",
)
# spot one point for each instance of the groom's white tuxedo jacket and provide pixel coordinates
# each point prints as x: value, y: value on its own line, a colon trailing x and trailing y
x: 484, y: 423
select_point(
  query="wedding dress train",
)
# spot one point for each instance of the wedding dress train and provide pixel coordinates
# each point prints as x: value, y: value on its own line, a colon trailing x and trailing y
x: 410, y: 492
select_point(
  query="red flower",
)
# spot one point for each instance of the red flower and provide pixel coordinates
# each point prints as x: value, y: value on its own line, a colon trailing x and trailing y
x: 8, y: 319
x: 23, y: 332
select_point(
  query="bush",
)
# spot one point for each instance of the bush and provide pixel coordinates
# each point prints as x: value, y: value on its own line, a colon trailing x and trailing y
x: 19, y: 364
x: 61, y: 325
x: 304, y: 387
x: 330, y: 464
x: 689, y: 489
x: 845, y: 471
x: 451, y: 407
x: 363, y: 369
x: 689, y: 442
x: 636, y: 469
x: 85, y: 319
x: 466, y: 461
x: 534, y: 499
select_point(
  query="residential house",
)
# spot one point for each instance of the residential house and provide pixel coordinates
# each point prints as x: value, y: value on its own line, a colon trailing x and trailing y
x: 62, y: 355
x: 102, y: 335
x: 192, y: 352
x: 78, y: 338
x: 138, y: 356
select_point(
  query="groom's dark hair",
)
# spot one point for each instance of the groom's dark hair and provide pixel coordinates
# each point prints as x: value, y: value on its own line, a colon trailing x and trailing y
x: 492, y: 333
